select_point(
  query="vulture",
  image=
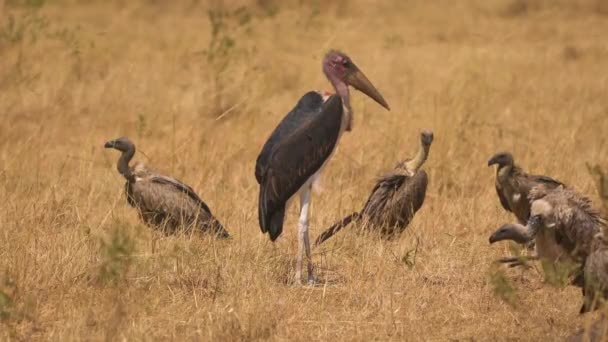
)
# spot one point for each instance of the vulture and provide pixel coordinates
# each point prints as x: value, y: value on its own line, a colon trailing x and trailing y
x: 601, y: 181
x: 596, y: 332
x: 567, y: 229
x: 162, y: 202
x: 295, y: 153
x: 596, y: 275
x: 513, y: 186
x: 395, y: 198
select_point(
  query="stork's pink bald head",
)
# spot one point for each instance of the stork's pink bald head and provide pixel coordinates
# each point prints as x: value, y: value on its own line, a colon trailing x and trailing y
x: 342, y: 72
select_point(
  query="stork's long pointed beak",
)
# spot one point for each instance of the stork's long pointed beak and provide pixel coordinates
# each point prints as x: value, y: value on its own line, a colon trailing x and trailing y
x: 358, y: 80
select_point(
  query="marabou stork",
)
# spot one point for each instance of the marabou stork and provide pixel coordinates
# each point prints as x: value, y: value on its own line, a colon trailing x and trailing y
x: 300, y: 146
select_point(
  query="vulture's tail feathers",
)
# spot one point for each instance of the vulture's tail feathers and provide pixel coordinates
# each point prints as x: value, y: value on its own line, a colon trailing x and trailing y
x: 337, y: 227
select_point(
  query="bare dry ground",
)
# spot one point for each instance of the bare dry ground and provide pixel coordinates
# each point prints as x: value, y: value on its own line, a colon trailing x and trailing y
x: 485, y: 75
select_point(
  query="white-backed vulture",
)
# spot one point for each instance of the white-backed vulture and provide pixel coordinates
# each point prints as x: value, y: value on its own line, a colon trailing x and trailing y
x: 601, y: 182
x: 513, y: 185
x: 596, y: 275
x: 395, y: 198
x: 596, y: 332
x: 565, y: 225
x: 162, y: 202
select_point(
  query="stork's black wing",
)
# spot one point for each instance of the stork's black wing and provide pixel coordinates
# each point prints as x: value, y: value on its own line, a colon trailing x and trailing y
x: 297, y: 149
x: 308, y: 107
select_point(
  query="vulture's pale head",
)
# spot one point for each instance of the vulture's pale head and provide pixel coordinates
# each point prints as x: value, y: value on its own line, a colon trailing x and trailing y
x: 122, y: 144
x: 426, y: 137
x: 501, y: 159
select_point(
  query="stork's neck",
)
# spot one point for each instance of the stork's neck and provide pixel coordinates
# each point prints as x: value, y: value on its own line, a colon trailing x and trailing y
x: 421, y: 156
x: 123, y: 163
x: 342, y: 90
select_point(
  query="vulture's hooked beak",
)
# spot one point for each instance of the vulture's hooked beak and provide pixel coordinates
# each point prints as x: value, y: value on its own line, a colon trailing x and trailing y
x: 492, y: 161
x: 511, y: 231
x: 109, y: 144
x: 496, y: 236
x: 359, y: 81
x: 426, y: 137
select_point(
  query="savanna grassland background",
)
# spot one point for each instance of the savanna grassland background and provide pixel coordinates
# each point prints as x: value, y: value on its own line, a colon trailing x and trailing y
x: 200, y: 85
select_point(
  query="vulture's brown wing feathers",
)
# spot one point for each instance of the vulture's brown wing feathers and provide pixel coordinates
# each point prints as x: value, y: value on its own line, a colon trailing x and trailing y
x: 160, y: 179
x: 577, y: 221
x: 503, y: 199
x: 597, y: 332
x: 382, y: 192
x: 336, y: 227
x: 167, y: 202
x: 582, y: 221
x: 395, y: 199
x: 129, y: 194
x: 551, y: 182
x: 414, y: 191
x: 408, y: 199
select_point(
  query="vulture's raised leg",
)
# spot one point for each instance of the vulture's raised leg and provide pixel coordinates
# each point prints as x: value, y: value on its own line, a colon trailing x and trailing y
x: 303, y: 238
x: 515, y: 261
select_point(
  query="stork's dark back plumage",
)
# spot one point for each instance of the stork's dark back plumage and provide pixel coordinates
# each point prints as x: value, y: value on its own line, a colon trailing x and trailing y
x: 295, y: 151
x: 307, y: 108
x: 292, y: 158
x: 163, y: 202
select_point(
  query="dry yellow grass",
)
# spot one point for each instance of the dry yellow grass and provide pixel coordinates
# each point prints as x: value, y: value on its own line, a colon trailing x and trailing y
x: 525, y: 76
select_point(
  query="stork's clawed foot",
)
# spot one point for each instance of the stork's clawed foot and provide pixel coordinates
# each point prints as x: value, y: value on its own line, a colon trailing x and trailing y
x: 298, y: 279
x: 311, y: 281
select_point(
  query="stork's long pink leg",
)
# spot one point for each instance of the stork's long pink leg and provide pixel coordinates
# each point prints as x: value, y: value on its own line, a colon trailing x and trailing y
x: 303, y: 238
